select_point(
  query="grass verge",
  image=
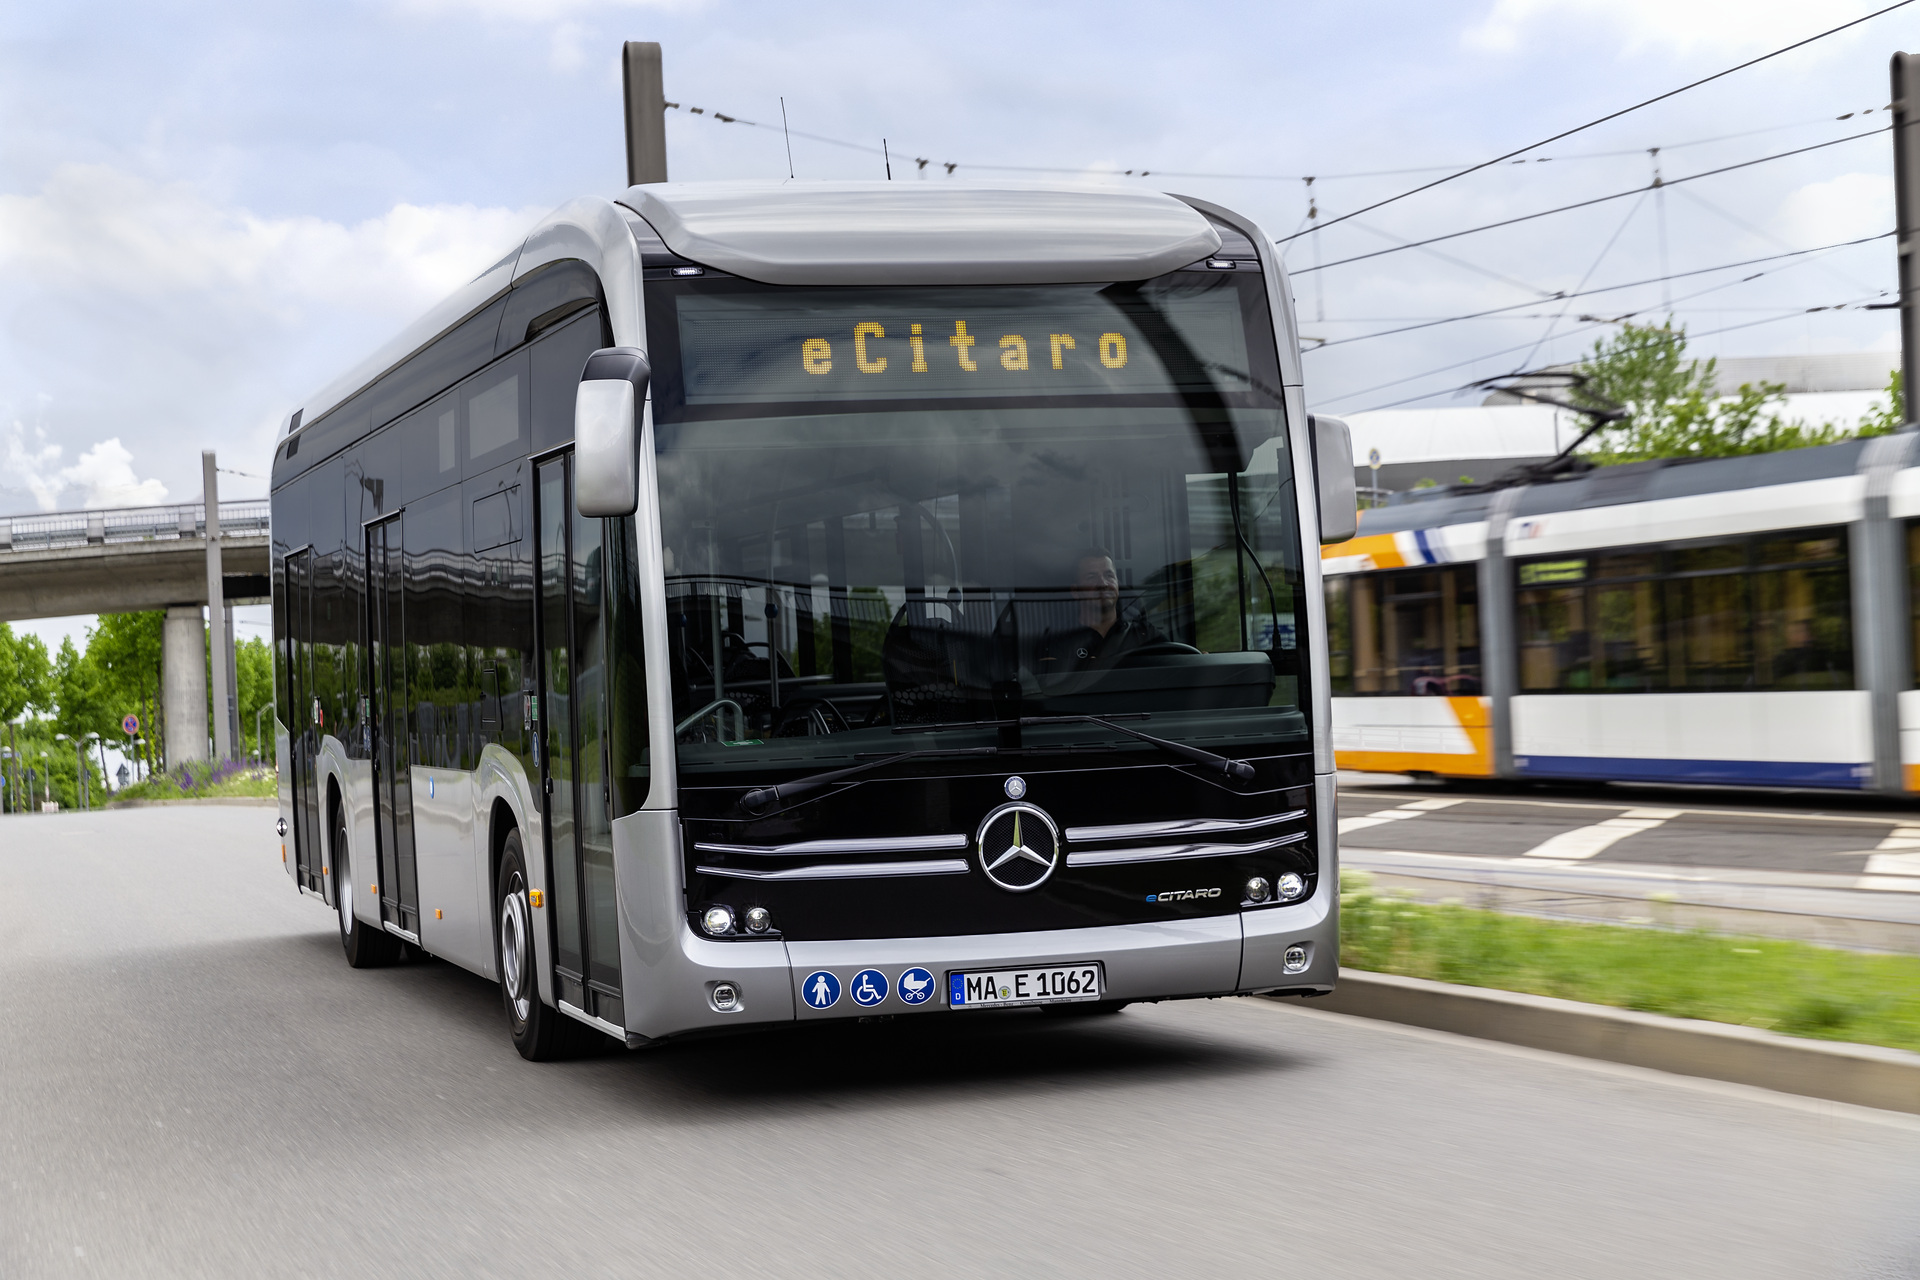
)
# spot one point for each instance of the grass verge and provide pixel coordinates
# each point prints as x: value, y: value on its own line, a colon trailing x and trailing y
x: 200, y: 782
x: 1791, y: 987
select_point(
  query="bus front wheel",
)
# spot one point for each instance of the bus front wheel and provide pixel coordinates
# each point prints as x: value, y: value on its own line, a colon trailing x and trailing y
x: 541, y: 1033
x: 367, y: 946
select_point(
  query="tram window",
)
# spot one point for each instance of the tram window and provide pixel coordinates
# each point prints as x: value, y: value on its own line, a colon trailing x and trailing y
x: 1761, y: 613
x: 1410, y: 633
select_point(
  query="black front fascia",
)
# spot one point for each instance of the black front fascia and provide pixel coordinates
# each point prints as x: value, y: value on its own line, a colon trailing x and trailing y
x: 1273, y: 833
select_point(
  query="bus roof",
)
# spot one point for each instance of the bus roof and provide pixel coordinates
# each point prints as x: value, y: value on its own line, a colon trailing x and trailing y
x: 925, y: 233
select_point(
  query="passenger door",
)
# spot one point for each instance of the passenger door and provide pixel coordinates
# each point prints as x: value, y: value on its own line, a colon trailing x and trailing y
x: 303, y: 723
x: 571, y: 736
x: 392, y: 754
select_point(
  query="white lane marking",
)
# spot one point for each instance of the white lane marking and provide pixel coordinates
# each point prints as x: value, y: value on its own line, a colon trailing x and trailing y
x: 1757, y: 812
x: 1412, y: 809
x: 1585, y: 842
x: 1896, y: 864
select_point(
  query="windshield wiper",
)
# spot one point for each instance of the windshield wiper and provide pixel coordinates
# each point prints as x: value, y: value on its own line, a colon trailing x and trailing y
x: 1233, y: 770
x: 757, y: 801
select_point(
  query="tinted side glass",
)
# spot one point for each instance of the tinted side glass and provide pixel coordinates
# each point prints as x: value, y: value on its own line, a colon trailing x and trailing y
x: 464, y: 348
x: 558, y: 357
x: 493, y: 411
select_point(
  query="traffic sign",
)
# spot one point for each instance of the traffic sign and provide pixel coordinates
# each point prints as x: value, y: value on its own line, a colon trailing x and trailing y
x: 130, y: 724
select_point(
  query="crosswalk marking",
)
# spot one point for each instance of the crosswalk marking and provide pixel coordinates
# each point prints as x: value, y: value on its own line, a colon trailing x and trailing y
x: 1584, y: 842
x: 1895, y: 865
x: 1411, y: 809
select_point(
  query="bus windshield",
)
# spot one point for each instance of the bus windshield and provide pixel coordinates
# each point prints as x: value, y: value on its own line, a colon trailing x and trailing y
x: 896, y: 518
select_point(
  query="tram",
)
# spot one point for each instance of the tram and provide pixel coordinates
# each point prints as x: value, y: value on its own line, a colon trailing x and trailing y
x: 822, y: 600
x: 1744, y: 621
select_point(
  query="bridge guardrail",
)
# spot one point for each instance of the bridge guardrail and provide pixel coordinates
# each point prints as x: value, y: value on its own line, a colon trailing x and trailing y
x: 170, y: 522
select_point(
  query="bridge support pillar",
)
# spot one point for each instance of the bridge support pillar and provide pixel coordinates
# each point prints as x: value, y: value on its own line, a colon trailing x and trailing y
x: 183, y: 684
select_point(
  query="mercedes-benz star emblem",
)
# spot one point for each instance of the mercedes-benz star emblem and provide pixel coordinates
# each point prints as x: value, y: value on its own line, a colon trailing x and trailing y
x: 1019, y: 847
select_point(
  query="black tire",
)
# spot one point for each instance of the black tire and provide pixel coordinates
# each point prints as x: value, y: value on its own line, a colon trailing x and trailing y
x: 367, y: 946
x: 540, y: 1032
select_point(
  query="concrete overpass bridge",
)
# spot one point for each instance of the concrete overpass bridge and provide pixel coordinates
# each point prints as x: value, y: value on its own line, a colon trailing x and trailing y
x: 60, y: 563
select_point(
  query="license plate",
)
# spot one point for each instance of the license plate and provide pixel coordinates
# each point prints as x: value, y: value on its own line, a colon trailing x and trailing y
x: 1000, y: 988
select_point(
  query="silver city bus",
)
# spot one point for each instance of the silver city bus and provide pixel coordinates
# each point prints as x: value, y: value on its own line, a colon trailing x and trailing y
x: 820, y: 601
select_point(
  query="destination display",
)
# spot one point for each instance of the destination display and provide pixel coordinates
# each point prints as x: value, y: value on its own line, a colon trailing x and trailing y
x: 797, y: 345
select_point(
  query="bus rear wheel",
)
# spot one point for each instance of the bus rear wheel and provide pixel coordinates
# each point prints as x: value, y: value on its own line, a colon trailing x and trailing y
x: 367, y: 947
x: 541, y: 1033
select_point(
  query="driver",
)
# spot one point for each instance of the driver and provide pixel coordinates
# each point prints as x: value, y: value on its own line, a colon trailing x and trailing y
x: 1102, y: 637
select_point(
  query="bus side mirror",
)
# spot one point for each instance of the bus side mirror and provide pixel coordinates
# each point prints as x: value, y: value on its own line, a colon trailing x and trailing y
x: 1333, y: 478
x: 606, y: 432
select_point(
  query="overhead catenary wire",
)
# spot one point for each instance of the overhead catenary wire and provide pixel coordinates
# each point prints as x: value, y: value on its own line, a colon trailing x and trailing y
x: 951, y: 166
x: 1593, y: 322
x: 1610, y: 288
x: 1855, y: 304
x: 1612, y: 115
x: 1586, y: 204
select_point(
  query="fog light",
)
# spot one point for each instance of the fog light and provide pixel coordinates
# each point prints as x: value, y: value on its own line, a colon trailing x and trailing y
x: 759, y: 920
x: 1295, y: 961
x: 718, y: 921
x: 1291, y: 886
x: 1257, y: 889
x: 726, y: 997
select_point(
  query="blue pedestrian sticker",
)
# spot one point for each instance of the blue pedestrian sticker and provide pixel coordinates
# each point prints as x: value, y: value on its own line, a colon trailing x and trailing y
x: 916, y: 986
x: 821, y: 989
x: 869, y: 988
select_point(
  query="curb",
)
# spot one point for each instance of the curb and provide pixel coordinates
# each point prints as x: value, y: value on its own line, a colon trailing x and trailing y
x: 266, y: 802
x: 1863, y: 1075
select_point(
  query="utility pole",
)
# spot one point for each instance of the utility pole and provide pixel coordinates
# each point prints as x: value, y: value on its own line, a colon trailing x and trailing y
x: 1905, y: 73
x: 218, y: 633
x: 646, y: 103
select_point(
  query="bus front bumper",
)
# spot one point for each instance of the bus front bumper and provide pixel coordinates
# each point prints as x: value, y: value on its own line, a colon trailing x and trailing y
x: 716, y: 985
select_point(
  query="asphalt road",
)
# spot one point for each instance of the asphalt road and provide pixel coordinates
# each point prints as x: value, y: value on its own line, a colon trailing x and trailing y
x: 1678, y: 827
x: 193, y: 1083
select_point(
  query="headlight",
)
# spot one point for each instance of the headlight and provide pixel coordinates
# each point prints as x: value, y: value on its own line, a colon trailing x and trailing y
x: 718, y: 921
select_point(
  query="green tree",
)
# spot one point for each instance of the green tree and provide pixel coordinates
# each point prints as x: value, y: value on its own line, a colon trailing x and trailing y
x: 1671, y: 406
x: 82, y: 705
x: 124, y: 650
x: 253, y: 672
x: 1888, y: 418
x: 24, y: 672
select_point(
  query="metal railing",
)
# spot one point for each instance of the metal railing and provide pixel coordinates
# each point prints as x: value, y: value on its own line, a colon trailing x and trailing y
x: 172, y: 522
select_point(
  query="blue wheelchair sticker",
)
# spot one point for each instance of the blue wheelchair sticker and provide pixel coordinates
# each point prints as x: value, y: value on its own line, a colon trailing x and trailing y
x: 869, y: 988
x: 821, y: 989
x: 916, y: 986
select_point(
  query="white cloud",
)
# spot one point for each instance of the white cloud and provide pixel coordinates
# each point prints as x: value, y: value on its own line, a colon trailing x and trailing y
x: 1843, y: 208
x: 1676, y: 26
x: 100, y: 227
x: 103, y: 477
x: 157, y: 317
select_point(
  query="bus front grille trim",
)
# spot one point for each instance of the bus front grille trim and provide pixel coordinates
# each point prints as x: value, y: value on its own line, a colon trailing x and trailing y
x: 1178, y: 827
x: 844, y: 870
x: 865, y: 844
x: 1176, y: 852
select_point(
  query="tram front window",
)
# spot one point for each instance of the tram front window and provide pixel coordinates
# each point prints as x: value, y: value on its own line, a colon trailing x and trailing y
x: 855, y: 561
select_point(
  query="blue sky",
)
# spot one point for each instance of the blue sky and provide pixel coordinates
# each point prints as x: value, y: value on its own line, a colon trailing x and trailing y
x: 208, y: 210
